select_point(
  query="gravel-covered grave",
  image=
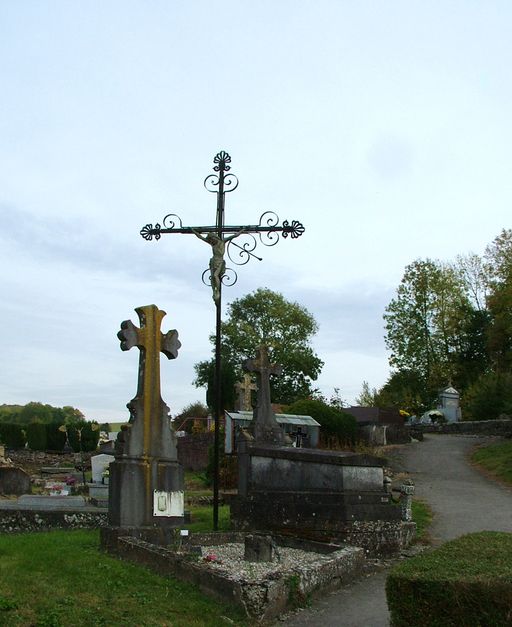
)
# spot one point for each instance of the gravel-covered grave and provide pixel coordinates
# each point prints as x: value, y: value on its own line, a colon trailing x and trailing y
x: 228, y: 559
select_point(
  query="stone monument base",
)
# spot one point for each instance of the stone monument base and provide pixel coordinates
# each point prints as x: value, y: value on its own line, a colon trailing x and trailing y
x: 162, y: 536
x: 146, y: 496
x: 319, y: 495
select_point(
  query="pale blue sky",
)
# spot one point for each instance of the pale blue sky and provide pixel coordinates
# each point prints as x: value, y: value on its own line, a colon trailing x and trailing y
x: 383, y: 126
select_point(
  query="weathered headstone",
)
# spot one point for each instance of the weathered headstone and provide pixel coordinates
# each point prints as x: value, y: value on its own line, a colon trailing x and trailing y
x: 14, y: 480
x: 244, y: 389
x: 146, y: 480
x: 99, y: 464
x: 258, y: 547
x: 266, y: 429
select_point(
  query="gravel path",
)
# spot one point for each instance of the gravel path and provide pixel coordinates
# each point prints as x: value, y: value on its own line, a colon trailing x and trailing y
x: 463, y: 501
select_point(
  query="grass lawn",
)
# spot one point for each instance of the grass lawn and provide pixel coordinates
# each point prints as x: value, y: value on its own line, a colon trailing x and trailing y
x: 62, y: 579
x: 202, y: 519
x: 422, y: 516
x: 496, y: 459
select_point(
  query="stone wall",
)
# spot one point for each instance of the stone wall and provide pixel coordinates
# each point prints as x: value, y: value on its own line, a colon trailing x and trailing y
x: 477, y: 427
x: 193, y: 450
x: 17, y: 521
x: 381, y: 435
x: 34, y: 460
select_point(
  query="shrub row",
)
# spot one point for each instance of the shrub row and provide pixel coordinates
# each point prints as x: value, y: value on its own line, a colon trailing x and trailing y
x: 334, y: 423
x: 46, y: 436
x: 12, y: 435
x: 465, y: 582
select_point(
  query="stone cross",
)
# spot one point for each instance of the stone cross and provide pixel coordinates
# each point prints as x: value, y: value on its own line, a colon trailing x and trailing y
x: 146, y: 494
x: 151, y: 342
x: 265, y: 426
x: 244, y: 389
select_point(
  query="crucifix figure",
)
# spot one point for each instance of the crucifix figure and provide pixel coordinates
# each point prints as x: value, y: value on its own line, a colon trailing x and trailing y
x: 265, y: 426
x: 244, y: 389
x: 221, y: 238
x: 217, y: 263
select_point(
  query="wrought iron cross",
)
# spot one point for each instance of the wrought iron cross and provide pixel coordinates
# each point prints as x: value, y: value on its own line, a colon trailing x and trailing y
x: 221, y: 238
x: 219, y: 235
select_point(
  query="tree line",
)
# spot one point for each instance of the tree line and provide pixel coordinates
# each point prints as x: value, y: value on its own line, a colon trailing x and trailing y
x: 452, y: 322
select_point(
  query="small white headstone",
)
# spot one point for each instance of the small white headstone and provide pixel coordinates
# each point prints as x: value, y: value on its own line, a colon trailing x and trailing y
x: 100, y: 463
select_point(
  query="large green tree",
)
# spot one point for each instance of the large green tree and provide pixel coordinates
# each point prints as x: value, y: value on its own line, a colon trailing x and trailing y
x: 452, y: 321
x: 421, y: 319
x: 498, y: 260
x: 424, y: 322
x: 266, y: 317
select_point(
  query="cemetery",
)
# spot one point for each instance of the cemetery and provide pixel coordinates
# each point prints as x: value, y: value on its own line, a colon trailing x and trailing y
x: 289, y: 498
x: 302, y: 521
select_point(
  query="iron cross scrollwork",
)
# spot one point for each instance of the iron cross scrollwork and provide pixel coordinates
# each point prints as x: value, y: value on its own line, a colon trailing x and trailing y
x: 222, y: 237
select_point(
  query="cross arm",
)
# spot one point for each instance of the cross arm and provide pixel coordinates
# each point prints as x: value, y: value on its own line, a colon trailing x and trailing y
x: 294, y: 230
x: 128, y: 335
x: 170, y: 344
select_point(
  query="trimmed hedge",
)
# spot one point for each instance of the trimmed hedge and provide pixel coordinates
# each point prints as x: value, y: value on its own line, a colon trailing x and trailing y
x: 11, y: 434
x: 83, y: 430
x: 465, y: 583
x: 36, y: 436
x: 55, y: 439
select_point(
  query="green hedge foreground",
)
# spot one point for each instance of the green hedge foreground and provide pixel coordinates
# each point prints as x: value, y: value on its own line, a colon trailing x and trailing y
x: 465, y: 583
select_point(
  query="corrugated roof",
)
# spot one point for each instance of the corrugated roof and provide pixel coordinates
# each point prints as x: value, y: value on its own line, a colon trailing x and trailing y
x: 291, y: 419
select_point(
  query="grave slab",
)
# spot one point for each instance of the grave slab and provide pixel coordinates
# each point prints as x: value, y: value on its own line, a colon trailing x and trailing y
x: 37, y: 501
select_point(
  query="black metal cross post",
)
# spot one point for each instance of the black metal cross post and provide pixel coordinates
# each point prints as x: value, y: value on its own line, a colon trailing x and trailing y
x: 218, y: 274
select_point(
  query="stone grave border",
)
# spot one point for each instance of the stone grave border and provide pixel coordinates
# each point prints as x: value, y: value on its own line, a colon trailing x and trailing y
x: 262, y: 600
x: 28, y: 520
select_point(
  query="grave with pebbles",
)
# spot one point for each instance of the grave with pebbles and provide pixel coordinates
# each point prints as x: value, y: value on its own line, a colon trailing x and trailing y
x: 266, y: 575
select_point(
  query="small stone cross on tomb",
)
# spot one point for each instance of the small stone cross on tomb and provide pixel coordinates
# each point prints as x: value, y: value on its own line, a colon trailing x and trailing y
x: 265, y: 426
x: 244, y: 389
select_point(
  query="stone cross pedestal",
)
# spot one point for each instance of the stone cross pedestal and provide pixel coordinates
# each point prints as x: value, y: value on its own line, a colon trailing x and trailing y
x: 266, y: 429
x: 146, y: 480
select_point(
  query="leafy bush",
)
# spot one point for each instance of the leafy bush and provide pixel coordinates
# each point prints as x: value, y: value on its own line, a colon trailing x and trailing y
x: 12, y: 435
x: 334, y: 423
x: 467, y: 581
x: 36, y: 436
x: 488, y: 397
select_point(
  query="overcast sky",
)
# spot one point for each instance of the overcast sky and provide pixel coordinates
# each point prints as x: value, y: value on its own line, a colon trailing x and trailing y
x: 384, y: 127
